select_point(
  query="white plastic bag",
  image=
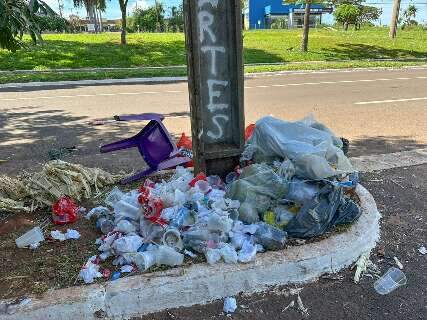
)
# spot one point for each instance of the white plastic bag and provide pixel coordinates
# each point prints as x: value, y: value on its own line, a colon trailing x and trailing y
x: 126, y: 244
x: 230, y: 305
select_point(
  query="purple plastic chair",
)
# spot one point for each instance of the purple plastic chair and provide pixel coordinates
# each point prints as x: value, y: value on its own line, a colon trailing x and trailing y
x: 154, y: 144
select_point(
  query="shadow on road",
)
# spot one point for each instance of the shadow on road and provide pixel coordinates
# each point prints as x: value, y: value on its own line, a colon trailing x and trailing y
x: 27, y: 136
x: 382, y: 144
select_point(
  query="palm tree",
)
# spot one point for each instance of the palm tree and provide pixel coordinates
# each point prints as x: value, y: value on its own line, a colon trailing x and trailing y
x: 18, y: 17
x: 93, y: 9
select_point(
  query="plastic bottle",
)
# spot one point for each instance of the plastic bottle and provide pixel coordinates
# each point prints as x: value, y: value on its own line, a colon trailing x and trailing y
x: 105, y: 225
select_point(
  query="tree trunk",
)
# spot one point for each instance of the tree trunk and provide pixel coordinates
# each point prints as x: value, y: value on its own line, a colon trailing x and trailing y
x: 346, y: 26
x: 394, y: 18
x: 100, y: 21
x: 304, y: 43
x: 123, y: 4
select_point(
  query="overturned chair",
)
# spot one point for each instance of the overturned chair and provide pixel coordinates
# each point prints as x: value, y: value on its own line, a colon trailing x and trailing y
x: 154, y: 144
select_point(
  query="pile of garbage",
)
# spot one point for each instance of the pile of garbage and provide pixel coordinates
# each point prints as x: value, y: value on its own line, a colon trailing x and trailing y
x: 292, y: 182
x: 56, y: 179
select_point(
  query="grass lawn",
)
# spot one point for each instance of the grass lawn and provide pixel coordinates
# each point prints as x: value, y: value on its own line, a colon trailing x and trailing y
x: 166, y: 49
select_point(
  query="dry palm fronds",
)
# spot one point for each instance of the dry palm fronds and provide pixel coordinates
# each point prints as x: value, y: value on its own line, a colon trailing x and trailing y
x: 57, y: 178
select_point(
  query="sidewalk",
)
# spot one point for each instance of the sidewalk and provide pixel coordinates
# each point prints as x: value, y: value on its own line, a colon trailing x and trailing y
x: 400, y: 196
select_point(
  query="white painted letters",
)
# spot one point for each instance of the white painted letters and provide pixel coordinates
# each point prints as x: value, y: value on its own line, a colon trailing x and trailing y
x: 205, y: 21
x: 219, y: 127
x: 213, y: 3
x: 213, y: 50
x: 216, y: 94
x: 216, y: 87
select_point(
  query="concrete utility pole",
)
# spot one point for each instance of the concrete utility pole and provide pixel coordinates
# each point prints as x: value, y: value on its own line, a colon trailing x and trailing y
x: 394, y: 18
x: 213, y: 32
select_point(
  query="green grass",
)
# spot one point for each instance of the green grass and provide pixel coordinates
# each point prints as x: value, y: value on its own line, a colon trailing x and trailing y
x: 167, y: 49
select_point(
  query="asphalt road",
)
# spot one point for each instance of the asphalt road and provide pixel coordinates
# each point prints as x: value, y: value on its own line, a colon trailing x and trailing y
x: 380, y: 111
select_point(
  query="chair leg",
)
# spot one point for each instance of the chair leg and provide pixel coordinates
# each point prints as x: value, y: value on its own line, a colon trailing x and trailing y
x: 119, y: 145
x: 138, y: 176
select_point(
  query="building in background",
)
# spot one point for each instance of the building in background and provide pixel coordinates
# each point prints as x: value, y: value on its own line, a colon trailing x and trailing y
x: 275, y: 14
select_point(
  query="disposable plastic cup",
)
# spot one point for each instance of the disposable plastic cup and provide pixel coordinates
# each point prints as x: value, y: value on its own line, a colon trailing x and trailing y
x: 33, y: 236
x: 202, y: 185
x: 145, y: 260
x: 168, y: 256
x: 172, y: 238
x: 390, y: 281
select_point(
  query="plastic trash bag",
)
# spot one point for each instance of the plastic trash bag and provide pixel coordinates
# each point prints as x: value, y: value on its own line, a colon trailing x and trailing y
x: 270, y: 237
x: 258, y: 183
x: 301, y: 191
x: 326, y: 210
x: 311, y: 148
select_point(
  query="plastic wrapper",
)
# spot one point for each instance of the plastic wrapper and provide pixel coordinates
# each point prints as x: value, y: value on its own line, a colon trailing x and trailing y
x: 230, y: 305
x: 90, y: 271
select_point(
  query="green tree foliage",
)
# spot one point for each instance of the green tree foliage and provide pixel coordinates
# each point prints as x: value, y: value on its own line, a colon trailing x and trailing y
x: 52, y: 23
x: 347, y: 14
x: 176, y: 20
x: 354, y: 12
x: 408, y: 17
x: 151, y: 19
x: 18, y: 17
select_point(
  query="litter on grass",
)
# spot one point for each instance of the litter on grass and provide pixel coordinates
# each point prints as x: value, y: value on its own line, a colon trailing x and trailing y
x: 70, y: 234
x: 422, y: 250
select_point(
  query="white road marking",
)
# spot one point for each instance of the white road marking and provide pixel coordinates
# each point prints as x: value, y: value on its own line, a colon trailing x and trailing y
x: 246, y: 87
x: 391, y: 100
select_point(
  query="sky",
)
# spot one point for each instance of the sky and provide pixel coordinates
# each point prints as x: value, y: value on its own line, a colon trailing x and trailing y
x: 113, y: 10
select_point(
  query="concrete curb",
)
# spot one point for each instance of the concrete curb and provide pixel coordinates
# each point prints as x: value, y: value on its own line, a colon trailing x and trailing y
x: 201, y: 283
x: 158, y: 80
